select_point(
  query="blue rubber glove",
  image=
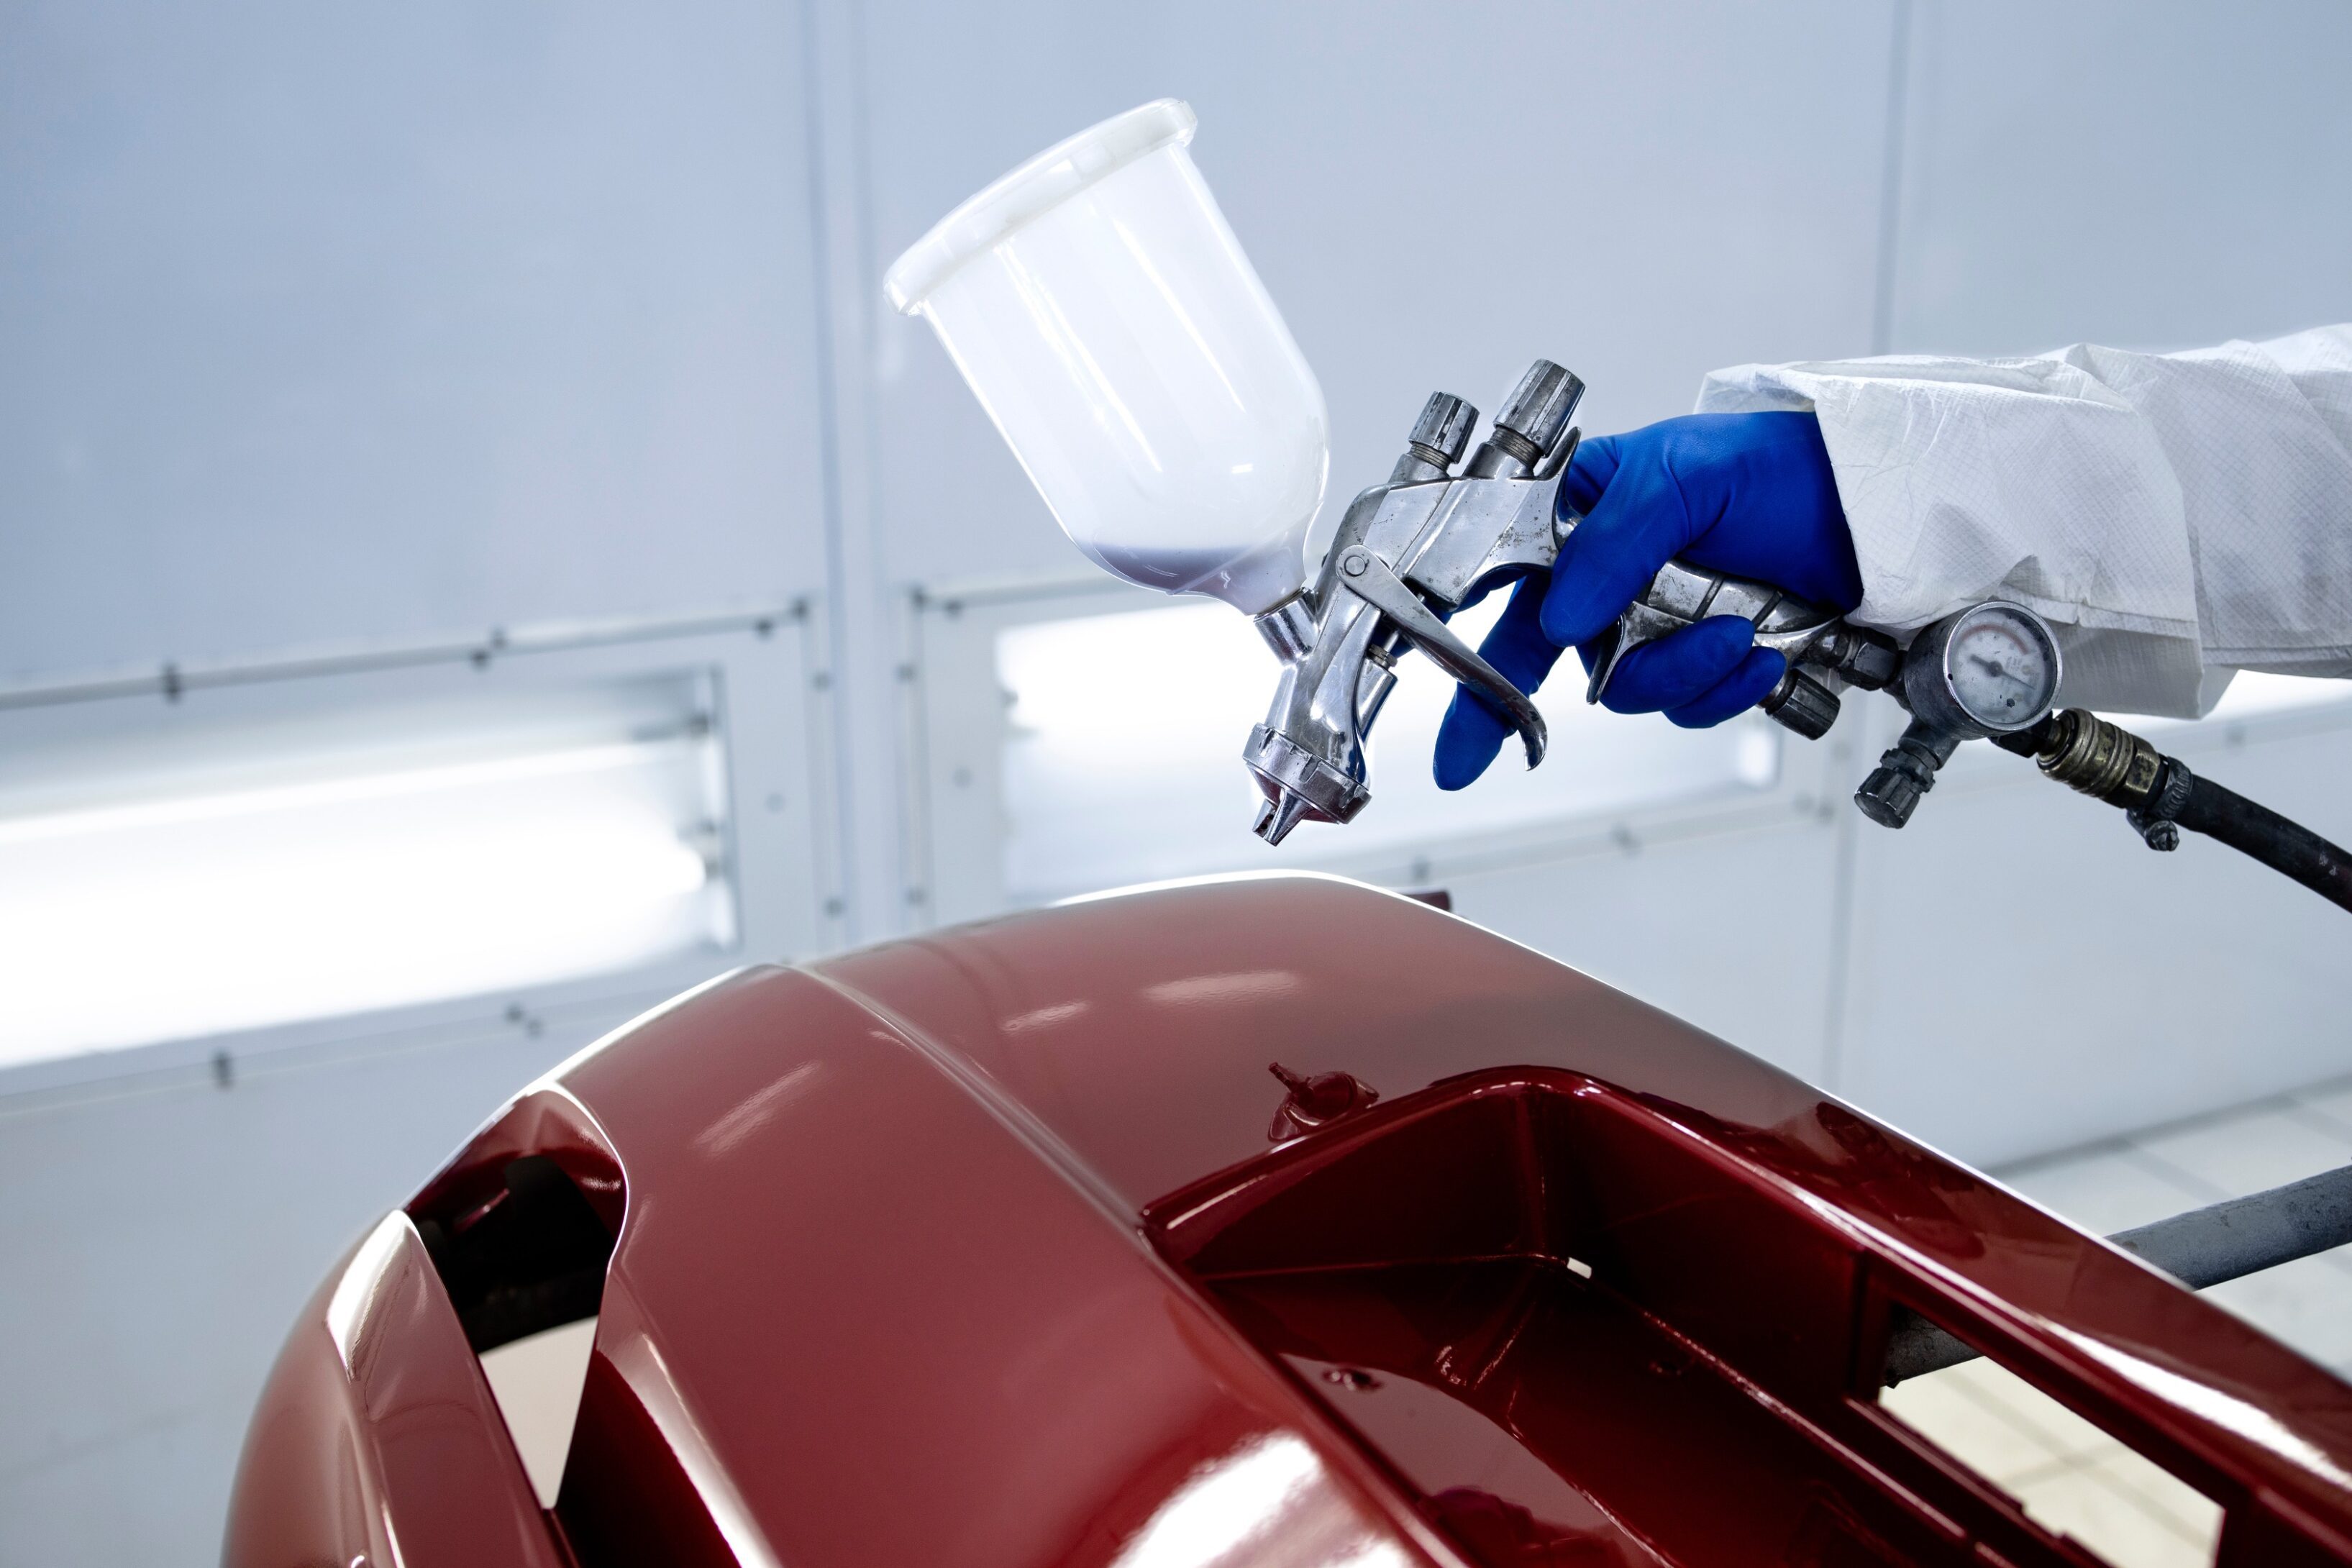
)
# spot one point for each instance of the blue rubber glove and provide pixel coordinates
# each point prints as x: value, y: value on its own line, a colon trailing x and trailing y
x: 1750, y: 494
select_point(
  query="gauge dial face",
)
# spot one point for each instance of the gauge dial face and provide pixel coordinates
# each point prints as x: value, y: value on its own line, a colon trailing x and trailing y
x: 2001, y: 668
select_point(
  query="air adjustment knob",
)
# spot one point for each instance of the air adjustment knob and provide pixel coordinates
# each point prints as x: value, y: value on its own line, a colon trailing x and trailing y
x: 1890, y: 794
x: 1905, y: 774
x: 1441, y: 434
x: 1538, y: 410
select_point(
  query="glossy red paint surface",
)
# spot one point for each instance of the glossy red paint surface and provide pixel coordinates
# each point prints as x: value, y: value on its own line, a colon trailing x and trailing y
x: 974, y: 1249
x: 377, y: 1439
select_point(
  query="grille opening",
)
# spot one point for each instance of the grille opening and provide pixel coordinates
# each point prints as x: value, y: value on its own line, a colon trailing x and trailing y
x: 2067, y: 1475
x: 525, y: 1269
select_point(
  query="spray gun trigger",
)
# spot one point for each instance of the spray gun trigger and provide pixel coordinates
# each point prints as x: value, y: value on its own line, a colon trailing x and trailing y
x: 1369, y: 577
x: 1608, y: 649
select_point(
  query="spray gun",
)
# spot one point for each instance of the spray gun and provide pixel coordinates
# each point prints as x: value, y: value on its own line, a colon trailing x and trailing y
x: 1108, y: 322
x: 1409, y: 551
x: 1105, y: 315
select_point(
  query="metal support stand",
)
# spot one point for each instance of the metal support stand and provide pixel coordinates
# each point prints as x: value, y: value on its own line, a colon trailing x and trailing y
x: 2201, y: 1247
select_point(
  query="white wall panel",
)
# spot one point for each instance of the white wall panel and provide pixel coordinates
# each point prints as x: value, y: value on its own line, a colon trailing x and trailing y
x: 366, y: 326
x: 321, y: 324
x: 1731, y: 932
x: 2027, y: 976
x: 2161, y: 175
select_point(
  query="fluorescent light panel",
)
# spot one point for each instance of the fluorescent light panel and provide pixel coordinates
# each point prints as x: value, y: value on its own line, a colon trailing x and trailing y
x: 1122, y: 757
x: 176, y: 912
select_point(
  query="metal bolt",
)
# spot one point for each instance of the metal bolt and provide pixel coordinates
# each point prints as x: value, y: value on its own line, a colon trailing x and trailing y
x: 1355, y: 564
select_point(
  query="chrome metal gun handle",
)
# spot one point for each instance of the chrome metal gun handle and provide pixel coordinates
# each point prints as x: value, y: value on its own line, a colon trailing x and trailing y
x: 1824, y: 653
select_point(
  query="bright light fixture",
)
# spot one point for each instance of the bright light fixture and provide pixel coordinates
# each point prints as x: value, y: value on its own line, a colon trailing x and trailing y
x: 183, y: 911
x: 1122, y: 760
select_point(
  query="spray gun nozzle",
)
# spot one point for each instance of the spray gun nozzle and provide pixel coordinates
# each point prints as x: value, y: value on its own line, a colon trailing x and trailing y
x: 1277, y: 816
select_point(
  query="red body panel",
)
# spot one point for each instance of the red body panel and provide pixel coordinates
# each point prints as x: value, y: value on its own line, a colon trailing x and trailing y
x: 974, y: 1249
x: 377, y: 1439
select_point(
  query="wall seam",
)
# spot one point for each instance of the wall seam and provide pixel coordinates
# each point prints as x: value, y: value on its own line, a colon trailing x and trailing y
x: 858, y: 682
x: 1845, y: 871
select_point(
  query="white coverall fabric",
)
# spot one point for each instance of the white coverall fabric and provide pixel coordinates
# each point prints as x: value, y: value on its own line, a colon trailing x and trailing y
x: 2178, y: 517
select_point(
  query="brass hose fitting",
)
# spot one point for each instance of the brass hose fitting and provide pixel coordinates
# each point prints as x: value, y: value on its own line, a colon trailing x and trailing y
x: 2160, y: 797
x: 2106, y: 761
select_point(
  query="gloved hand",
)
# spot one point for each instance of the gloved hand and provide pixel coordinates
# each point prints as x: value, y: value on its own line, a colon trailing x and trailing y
x: 1750, y: 494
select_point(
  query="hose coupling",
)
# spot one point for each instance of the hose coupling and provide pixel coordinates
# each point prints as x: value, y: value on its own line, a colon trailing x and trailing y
x: 2085, y: 752
x: 2160, y: 797
x: 2106, y: 761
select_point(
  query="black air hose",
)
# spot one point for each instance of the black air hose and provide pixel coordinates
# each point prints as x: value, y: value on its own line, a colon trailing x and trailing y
x: 2257, y: 830
x: 2160, y: 796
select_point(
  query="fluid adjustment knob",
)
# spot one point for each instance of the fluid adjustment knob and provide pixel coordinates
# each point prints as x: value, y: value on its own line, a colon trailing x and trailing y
x: 1804, y: 704
x: 1441, y: 434
x: 1538, y: 410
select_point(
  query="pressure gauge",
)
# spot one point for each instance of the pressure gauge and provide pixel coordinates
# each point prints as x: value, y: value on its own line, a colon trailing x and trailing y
x: 1989, y: 671
x: 2002, y: 666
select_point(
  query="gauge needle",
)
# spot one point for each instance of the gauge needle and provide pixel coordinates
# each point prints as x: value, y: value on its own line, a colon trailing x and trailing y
x: 1992, y: 667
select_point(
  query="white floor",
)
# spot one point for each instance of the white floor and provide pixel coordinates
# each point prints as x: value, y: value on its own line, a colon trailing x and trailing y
x: 2068, y: 1476
x: 537, y: 1382
x: 2064, y: 1472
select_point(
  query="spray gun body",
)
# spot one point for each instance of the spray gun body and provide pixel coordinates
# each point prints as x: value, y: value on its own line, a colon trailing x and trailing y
x: 1409, y: 552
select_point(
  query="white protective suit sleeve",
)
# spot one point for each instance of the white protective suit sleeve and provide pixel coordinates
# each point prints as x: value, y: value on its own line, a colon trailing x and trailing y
x: 2179, y: 517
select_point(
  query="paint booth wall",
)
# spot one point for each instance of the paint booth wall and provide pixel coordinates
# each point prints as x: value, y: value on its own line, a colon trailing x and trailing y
x: 327, y: 332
